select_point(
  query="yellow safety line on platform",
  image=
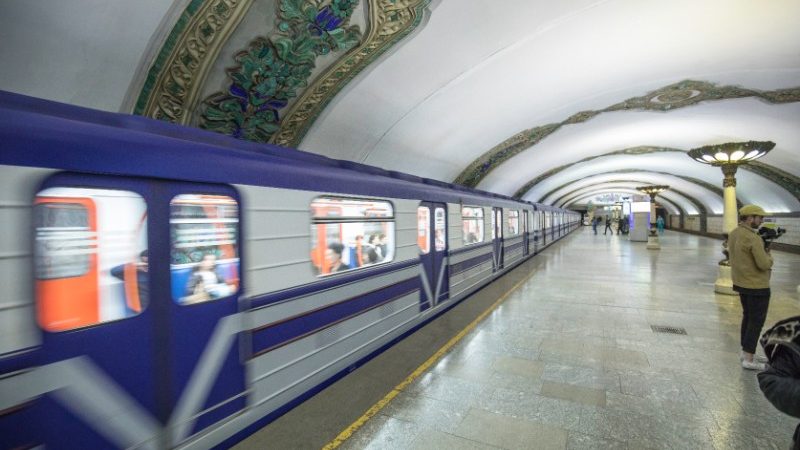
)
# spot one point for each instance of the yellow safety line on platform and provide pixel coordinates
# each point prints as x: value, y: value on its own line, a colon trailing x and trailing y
x: 344, y: 435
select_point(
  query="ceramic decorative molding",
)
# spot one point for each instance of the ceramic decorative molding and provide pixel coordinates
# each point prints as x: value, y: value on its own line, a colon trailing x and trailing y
x: 172, y: 86
x: 253, y: 106
x: 674, y: 96
x: 272, y: 70
x: 389, y: 22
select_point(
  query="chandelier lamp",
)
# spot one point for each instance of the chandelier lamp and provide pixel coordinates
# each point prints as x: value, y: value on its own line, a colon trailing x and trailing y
x: 729, y: 156
x: 653, y: 191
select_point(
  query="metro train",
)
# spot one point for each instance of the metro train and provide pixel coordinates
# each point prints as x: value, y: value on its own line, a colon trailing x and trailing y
x: 169, y: 287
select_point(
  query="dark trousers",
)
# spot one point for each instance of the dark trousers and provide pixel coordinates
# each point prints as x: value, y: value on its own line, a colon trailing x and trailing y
x: 754, y: 313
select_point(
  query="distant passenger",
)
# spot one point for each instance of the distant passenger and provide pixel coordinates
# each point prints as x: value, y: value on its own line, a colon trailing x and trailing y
x: 595, y: 221
x: 660, y: 224
x: 608, y: 226
x: 780, y: 383
x: 333, y: 257
x: 751, y: 266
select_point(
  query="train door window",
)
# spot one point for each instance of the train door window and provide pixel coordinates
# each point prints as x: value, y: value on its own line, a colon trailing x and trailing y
x: 494, y: 226
x: 90, y: 256
x: 497, y: 224
x: 439, y: 229
x: 513, y: 222
x: 204, y: 258
x: 423, y: 229
x: 472, y: 224
x: 348, y: 234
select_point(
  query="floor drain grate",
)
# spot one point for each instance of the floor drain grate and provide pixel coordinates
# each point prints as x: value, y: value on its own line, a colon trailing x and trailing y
x: 666, y: 329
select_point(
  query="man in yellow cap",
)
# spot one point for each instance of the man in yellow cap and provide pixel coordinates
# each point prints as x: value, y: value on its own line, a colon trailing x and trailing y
x: 751, y: 266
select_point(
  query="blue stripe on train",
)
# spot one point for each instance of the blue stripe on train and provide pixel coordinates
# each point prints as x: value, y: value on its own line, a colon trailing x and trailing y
x: 462, y: 266
x: 281, y: 333
x: 333, y: 281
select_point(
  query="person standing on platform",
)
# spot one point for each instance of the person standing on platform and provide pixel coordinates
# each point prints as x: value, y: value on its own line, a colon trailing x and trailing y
x: 751, y: 267
x: 608, y: 226
x: 660, y: 224
x: 595, y: 220
x: 780, y: 383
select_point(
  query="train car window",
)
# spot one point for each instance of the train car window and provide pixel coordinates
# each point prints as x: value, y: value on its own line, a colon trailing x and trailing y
x: 349, y: 234
x: 439, y: 229
x: 423, y: 230
x: 513, y: 223
x: 90, y: 256
x: 472, y: 224
x: 204, y: 258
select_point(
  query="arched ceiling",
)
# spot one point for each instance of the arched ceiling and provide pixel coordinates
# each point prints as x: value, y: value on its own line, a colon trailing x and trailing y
x: 668, y: 202
x: 541, y: 100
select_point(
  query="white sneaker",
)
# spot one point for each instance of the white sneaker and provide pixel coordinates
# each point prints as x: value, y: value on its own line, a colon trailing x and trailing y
x: 759, y: 358
x: 753, y: 365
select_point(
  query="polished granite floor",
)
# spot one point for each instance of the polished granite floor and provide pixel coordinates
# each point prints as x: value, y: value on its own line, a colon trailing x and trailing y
x: 569, y: 360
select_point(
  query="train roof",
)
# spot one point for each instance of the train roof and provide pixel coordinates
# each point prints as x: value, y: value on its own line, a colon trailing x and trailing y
x: 42, y: 133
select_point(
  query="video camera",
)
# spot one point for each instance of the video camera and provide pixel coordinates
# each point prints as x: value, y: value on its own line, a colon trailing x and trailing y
x: 769, y: 232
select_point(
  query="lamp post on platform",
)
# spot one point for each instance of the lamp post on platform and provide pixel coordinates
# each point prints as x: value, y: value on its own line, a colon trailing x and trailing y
x: 652, y: 191
x: 729, y: 156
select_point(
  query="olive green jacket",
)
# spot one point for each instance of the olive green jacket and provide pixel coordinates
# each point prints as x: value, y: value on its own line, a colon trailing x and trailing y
x: 751, y: 265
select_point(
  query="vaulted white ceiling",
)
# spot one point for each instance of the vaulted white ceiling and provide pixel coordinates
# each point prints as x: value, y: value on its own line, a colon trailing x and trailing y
x: 476, y: 77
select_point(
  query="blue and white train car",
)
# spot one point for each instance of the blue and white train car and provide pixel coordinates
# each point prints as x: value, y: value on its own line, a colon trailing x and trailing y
x: 169, y: 287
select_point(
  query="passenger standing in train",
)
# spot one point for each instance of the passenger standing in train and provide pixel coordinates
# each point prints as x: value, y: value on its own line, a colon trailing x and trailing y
x: 382, y: 245
x: 370, y: 253
x: 136, y: 287
x: 608, y: 226
x: 751, y: 266
x: 660, y: 224
x: 333, y: 257
x: 360, y: 253
x: 780, y: 383
x: 374, y: 249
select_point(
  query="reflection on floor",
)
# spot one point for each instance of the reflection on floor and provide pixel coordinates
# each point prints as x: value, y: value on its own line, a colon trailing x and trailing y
x: 569, y: 360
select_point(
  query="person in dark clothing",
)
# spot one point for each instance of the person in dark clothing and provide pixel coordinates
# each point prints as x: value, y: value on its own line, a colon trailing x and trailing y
x: 595, y: 221
x: 608, y: 226
x: 780, y: 383
x: 333, y: 257
x: 134, y: 277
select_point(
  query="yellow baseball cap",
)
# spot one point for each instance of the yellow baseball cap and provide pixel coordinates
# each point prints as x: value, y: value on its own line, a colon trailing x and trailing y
x: 752, y: 210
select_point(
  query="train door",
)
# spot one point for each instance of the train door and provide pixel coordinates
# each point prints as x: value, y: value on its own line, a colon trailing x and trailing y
x: 135, y: 280
x: 91, y: 246
x: 432, y: 241
x: 497, y: 238
x: 201, y: 287
x: 525, y: 238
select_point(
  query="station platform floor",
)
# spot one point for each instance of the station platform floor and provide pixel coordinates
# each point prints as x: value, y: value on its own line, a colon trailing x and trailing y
x: 560, y: 353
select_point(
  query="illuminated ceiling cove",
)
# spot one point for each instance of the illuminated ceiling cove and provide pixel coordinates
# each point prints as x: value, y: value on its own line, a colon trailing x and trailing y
x: 553, y: 102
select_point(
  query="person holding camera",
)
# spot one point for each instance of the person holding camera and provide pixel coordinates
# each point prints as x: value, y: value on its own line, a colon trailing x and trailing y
x: 751, y: 266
